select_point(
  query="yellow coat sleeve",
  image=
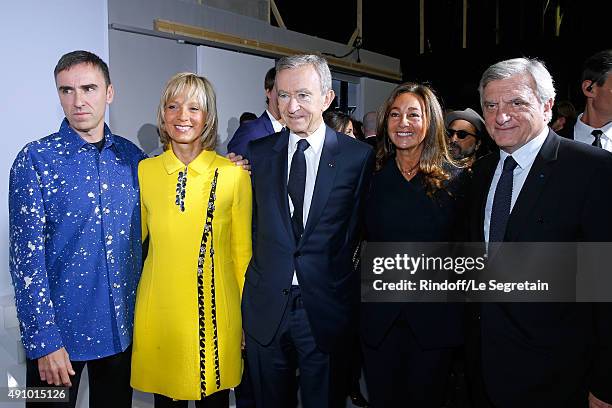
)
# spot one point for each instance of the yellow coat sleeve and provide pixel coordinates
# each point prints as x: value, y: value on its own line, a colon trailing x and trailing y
x: 241, y: 226
x: 143, y: 208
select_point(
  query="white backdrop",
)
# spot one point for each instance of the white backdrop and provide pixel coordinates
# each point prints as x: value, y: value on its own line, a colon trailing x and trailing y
x: 33, y: 35
x: 238, y: 80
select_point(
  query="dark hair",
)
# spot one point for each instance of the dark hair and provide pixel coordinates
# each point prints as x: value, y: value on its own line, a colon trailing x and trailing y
x: 597, y: 67
x: 336, y: 120
x: 73, y: 58
x: 246, y: 116
x: 269, y: 82
x: 435, y: 158
x: 564, y: 109
x: 358, y: 129
x: 270, y: 78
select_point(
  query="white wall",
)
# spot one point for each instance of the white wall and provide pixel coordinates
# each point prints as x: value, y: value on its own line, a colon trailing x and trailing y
x: 139, y: 67
x: 238, y: 80
x: 373, y: 93
x: 33, y: 35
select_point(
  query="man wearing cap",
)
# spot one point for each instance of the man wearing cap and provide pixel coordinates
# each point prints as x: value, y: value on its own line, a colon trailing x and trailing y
x: 467, y: 135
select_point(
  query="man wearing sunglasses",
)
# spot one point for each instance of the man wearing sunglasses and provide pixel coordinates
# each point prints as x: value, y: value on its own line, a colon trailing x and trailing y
x: 466, y: 135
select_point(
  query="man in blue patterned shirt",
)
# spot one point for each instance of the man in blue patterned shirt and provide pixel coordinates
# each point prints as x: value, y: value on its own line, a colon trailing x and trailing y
x: 75, y: 247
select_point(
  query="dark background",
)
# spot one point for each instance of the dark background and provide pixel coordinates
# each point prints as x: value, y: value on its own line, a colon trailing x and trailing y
x: 392, y: 28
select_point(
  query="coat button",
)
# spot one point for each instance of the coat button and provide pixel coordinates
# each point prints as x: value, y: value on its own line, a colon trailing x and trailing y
x: 297, y: 254
x: 285, y: 291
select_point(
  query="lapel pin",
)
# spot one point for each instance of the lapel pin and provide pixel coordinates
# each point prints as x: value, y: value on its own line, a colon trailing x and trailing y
x: 331, y: 165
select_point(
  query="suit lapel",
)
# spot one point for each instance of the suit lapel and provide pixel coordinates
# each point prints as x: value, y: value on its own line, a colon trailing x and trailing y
x: 267, y: 123
x: 489, y: 163
x: 324, y: 183
x: 533, y: 186
x: 280, y: 168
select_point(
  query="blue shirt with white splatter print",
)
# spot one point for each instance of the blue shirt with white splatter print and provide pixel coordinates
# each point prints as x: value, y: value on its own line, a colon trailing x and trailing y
x: 75, y: 243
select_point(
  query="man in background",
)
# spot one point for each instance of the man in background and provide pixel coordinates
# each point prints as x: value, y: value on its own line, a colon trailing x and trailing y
x: 467, y: 136
x: 594, y: 125
x: 267, y: 123
x: 564, y: 119
x: 369, y: 128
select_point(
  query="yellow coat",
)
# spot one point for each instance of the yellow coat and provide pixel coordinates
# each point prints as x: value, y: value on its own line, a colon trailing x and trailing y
x: 166, y: 356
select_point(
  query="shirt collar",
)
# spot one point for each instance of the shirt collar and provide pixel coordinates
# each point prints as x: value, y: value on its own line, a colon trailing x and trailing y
x: 315, y: 140
x: 584, y: 128
x: 276, y: 125
x: 200, y: 164
x: 526, y: 154
x: 74, y: 143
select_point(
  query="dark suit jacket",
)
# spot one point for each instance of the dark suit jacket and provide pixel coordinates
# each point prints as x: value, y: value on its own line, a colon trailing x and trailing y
x: 433, y: 219
x: 549, y: 354
x: 322, y: 257
x: 260, y: 127
x: 372, y: 141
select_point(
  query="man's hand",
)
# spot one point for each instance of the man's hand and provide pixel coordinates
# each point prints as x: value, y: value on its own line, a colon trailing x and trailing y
x: 238, y: 160
x: 55, y: 368
x: 595, y: 402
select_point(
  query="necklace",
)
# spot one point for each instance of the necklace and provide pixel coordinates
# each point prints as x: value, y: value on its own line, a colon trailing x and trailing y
x: 410, y: 172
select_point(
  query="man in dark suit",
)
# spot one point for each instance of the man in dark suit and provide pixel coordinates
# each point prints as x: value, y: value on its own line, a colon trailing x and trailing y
x: 594, y: 125
x: 269, y: 122
x: 369, y: 128
x: 539, y: 188
x: 301, y: 294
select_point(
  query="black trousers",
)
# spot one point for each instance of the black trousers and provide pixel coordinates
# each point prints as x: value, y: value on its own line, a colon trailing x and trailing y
x: 244, y: 391
x: 219, y: 399
x: 109, y: 382
x: 473, y: 367
x: 323, y: 377
x: 400, y: 373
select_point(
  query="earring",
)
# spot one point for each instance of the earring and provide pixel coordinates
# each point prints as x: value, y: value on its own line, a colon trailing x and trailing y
x: 388, y: 145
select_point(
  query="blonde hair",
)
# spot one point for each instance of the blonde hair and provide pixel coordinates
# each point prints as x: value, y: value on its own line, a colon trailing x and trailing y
x: 191, y: 87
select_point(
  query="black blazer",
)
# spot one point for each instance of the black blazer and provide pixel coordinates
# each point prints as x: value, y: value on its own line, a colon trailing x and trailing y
x: 322, y: 257
x: 400, y: 211
x: 549, y: 354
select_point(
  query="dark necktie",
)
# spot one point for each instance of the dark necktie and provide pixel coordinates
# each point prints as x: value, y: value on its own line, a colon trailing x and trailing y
x: 502, y: 202
x: 296, y: 186
x: 597, y: 135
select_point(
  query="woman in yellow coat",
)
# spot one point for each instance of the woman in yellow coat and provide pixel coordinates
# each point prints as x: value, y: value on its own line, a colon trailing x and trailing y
x: 196, y: 212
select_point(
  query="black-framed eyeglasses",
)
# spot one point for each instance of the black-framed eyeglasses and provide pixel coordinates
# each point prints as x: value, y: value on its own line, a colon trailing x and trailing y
x: 461, y: 134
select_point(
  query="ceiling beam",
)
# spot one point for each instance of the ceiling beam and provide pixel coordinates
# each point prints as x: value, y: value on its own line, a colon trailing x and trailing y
x: 233, y: 42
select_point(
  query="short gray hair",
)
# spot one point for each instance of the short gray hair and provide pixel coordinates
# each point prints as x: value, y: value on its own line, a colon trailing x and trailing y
x: 369, y: 122
x: 318, y: 63
x: 545, y: 88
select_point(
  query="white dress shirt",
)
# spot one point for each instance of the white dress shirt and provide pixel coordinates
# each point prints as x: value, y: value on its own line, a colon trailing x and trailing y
x: 312, y: 156
x: 582, y: 133
x: 275, y: 123
x: 524, y: 157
